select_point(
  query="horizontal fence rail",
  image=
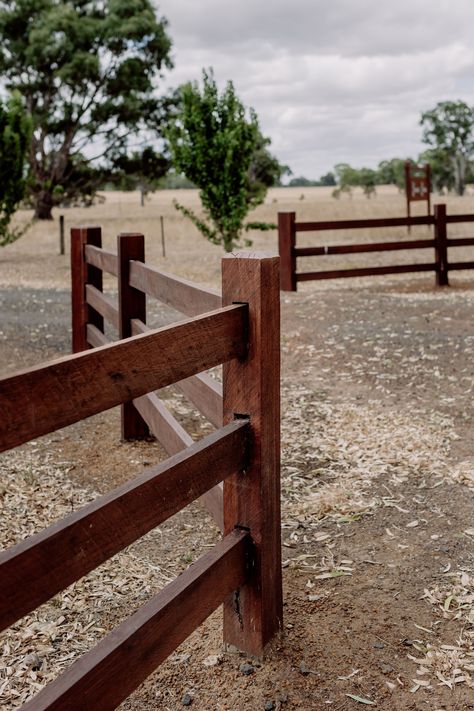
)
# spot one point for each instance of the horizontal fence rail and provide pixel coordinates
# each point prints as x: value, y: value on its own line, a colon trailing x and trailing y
x: 69, y: 389
x: 105, y: 676
x: 178, y: 293
x: 102, y: 259
x: 288, y: 228
x: 147, y: 414
x: 67, y: 550
x: 235, y: 470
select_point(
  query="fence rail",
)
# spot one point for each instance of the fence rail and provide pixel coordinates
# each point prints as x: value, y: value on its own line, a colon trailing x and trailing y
x: 288, y: 228
x: 236, y: 467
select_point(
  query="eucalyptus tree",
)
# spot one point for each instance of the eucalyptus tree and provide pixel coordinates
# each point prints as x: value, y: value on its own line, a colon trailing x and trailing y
x: 87, y: 71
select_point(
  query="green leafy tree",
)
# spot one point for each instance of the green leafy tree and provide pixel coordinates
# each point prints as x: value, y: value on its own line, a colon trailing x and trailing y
x: 442, y: 173
x: 346, y: 178
x: 86, y: 70
x: 449, y: 128
x: 367, y: 179
x: 15, y: 131
x: 392, y: 172
x: 217, y: 145
x: 328, y: 179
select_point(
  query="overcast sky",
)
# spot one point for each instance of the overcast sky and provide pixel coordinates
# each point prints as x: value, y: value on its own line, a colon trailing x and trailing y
x: 331, y: 80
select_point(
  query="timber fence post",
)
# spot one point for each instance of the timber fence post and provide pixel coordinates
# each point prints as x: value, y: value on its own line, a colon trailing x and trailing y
x: 132, y: 304
x: 286, y: 247
x: 441, y: 246
x: 82, y: 274
x: 251, y: 387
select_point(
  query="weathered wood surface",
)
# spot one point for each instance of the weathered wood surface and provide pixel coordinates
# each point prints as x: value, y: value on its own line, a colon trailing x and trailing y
x: 48, y: 397
x: 167, y: 430
x: 95, y: 337
x: 104, y: 304
x: 252, y: 499
x: 203, y: 391
x: 180, y: 294
x: 103, y: 259
x: 132, y: 304
x: 46, y: 563
x: 365, y: 271
x: 106, y: 675
x: 82, y: 273
x: 174, y: 438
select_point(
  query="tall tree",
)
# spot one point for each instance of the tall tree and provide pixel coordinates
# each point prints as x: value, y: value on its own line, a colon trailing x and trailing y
x: 218, y: 145
x: 87, y: 72
x: 15, y: 131
x: 449, y: 128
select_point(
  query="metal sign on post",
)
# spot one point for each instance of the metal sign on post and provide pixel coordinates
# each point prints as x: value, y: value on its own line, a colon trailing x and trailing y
x: 417, y: 185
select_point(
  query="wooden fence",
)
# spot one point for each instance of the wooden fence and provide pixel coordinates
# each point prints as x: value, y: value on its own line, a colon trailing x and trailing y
x: 243, y: 570
x: 288, y: 228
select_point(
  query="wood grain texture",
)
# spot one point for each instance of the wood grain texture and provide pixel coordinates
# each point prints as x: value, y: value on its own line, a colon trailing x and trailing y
x: 95, y: 337
x: 104, y: 304
x: 180, y: 294
x: 102, y: 259
x: 286, y: 249
x: 167, y: 430
x: 174, y: 438
x: 202, y: 390
x: 252, y: 499
x: 132, y: 304
x: 206, y: 395
x: 81, y: 274
x: 48, y: 397
x: 67, y: 550
x: 106, y: 675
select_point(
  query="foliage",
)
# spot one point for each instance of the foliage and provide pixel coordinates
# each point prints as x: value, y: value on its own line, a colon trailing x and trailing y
x: 15, y: 132
x: 328, y: 179
x: 346, y: 178
x: 142, y: 170
x: 218, y: 146
x: 449, y: 128
x: 86, y: 70
x: 392, y: 172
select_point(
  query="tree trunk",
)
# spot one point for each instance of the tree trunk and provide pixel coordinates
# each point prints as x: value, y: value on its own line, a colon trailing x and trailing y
x: 43, y: 205
x: 459, y: 165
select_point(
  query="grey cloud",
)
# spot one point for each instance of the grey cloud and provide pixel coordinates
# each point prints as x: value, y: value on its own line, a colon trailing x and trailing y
x: 331, y: 81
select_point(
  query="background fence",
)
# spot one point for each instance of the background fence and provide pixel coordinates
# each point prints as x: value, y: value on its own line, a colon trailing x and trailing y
x: 239, y: 329
x: 288, y: 228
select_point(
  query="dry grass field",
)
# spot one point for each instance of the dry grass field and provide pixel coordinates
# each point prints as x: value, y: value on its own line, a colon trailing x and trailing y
x: 377, y: 477
x: 190, y: 255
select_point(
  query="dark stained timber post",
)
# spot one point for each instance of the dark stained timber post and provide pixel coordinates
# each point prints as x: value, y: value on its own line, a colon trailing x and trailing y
x: 61, y: 234
x: 441, y: 246
x: 132, y: 304
x: 82, y: 274
x: 251, y: 386
x: 286, y: 247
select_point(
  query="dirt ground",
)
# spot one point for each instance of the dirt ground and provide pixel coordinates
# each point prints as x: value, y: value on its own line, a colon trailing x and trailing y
x: 377, y: 496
